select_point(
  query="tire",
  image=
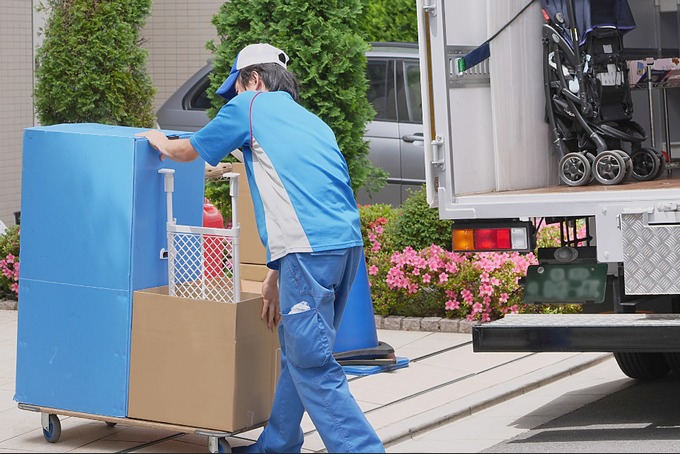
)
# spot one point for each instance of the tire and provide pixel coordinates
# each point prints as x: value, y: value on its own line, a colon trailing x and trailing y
x: 646, y: 164
x: 673, y: 361
x: 53, y: 433
x: 662, y: 163
x: 575, y: 169
x: 609, y: 167
x: 642, y: 365
x: 223, y: 445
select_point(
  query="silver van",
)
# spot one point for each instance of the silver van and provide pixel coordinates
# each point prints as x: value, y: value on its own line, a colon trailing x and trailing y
x: 395, y: 135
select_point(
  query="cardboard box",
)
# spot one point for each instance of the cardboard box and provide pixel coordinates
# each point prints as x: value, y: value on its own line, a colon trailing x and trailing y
x: 251, y: 272
x: 252, y: 251
x: 201, y: 363
x: 252, y: 277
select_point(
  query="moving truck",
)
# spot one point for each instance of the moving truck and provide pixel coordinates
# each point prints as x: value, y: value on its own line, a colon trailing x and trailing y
x: 493, y: 169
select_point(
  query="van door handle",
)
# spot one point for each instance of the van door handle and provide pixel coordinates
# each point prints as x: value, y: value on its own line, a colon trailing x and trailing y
x: 417, y: 137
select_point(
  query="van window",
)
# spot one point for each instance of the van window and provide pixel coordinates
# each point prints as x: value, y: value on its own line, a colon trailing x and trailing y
x: 410, y: 101
x: 197, y: 98
x: 381, y: 93
x: 413, y: 94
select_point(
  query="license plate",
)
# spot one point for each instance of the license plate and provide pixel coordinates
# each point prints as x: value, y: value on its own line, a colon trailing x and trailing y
x: 565, y: 283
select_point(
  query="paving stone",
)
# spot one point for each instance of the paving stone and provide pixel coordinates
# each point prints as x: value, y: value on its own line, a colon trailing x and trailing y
x: 430, y: 324
x: 8, y: 304
x: 378, y: 321
x: 392, y: 322
x: 466, y: 326
x: 449, y: 325
x: 411, y: 323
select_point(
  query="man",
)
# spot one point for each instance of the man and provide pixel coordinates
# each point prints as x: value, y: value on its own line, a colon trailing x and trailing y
x: 308, y: 221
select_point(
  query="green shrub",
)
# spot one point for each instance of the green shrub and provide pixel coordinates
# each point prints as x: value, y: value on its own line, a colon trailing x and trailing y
x: 390, y: 20
x: 411, y: 272
x: 378, y: 250
x: 419, y: 226
x: 90, y: 67
x: 9, y: 263
x: 327, y: 55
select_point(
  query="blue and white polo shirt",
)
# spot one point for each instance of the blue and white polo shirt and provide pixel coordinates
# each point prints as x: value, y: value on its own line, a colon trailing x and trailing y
x: 298, y: 177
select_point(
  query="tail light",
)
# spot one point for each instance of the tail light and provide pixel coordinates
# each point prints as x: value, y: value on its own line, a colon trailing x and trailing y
x: 493, y: 237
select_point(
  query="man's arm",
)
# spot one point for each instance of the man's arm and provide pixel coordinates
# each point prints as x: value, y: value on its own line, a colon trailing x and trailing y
x: 179, y: 150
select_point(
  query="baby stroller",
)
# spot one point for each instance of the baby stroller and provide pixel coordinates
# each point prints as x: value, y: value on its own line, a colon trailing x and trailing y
x: 588, y: 100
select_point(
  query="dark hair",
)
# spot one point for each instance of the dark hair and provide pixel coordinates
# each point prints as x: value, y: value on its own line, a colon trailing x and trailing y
x: 274, y: 76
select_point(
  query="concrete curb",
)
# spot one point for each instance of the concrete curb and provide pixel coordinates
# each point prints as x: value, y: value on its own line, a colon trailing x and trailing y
x: 493, y: 395
x: 8, y: 304
x: 430, y: 324
x: 392, y: 322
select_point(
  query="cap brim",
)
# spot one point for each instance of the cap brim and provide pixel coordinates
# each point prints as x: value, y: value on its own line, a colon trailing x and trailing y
x: 228, y: 89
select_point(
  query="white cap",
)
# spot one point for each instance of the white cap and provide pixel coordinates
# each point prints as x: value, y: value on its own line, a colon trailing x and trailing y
x: 252, y: 54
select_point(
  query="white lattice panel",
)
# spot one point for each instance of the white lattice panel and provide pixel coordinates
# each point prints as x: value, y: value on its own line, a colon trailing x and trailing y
x: 201, y: 264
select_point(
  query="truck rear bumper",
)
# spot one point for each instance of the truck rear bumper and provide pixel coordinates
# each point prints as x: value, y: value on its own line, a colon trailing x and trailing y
x: 579, y: 333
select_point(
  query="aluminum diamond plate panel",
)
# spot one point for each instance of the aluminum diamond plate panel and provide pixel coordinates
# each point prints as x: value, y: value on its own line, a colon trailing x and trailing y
x: 651, y: 256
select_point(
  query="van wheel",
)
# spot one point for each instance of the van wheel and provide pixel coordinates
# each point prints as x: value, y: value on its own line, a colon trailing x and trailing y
x: 642, y: 365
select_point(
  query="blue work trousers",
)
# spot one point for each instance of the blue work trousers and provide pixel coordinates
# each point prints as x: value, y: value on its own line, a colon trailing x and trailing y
x: 313, y: 291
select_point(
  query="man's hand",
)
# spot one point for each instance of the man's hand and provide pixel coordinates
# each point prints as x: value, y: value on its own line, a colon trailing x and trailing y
x: 157, y: 140
x: 179, y: 150
x: 271, y: 310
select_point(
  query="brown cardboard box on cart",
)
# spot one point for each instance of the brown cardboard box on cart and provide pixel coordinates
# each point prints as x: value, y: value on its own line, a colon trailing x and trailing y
x: 199, y: 363
x: 252, y: 251
x: 253, y: 255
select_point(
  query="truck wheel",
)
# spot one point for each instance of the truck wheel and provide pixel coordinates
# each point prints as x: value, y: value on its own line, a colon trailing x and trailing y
x: 673, y: 360
x: 642, y: 365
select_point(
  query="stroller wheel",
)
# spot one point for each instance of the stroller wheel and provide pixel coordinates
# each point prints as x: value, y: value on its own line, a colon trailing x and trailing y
x: 575, y: 169
x: 646, y: 164
x: 629, y: 166
x: 609, y: 167
x: 662, y: 162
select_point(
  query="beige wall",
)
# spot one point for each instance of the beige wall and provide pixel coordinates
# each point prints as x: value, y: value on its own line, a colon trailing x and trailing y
x: 175, y: 35
x: 16, y: 108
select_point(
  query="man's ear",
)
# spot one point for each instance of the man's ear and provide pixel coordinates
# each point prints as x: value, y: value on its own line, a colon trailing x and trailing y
x: 257, y: 81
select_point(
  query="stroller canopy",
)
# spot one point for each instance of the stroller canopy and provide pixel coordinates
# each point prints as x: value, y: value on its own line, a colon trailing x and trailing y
x: 591, y: 14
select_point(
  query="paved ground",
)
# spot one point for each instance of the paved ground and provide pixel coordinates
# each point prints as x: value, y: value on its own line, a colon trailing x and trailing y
x: 443, y: 381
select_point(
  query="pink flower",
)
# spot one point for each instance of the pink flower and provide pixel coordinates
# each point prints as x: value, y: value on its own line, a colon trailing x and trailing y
x: 452, y: 305
x: 373, y: 270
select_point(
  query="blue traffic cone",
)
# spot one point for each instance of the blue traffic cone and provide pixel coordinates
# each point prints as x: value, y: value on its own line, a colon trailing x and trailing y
x: 357, y: 348
x: 357, y: 327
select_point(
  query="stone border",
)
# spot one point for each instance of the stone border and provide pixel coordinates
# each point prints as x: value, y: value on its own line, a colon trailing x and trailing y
x: 431, y: 324
x: 8, y: 304
x: 391, y: 322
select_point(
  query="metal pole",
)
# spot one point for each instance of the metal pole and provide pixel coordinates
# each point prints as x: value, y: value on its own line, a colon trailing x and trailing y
x: 651, y: 105
x: 235, y: 254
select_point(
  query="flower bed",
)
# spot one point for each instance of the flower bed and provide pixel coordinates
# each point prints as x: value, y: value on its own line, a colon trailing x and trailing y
x: 432, y: 281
